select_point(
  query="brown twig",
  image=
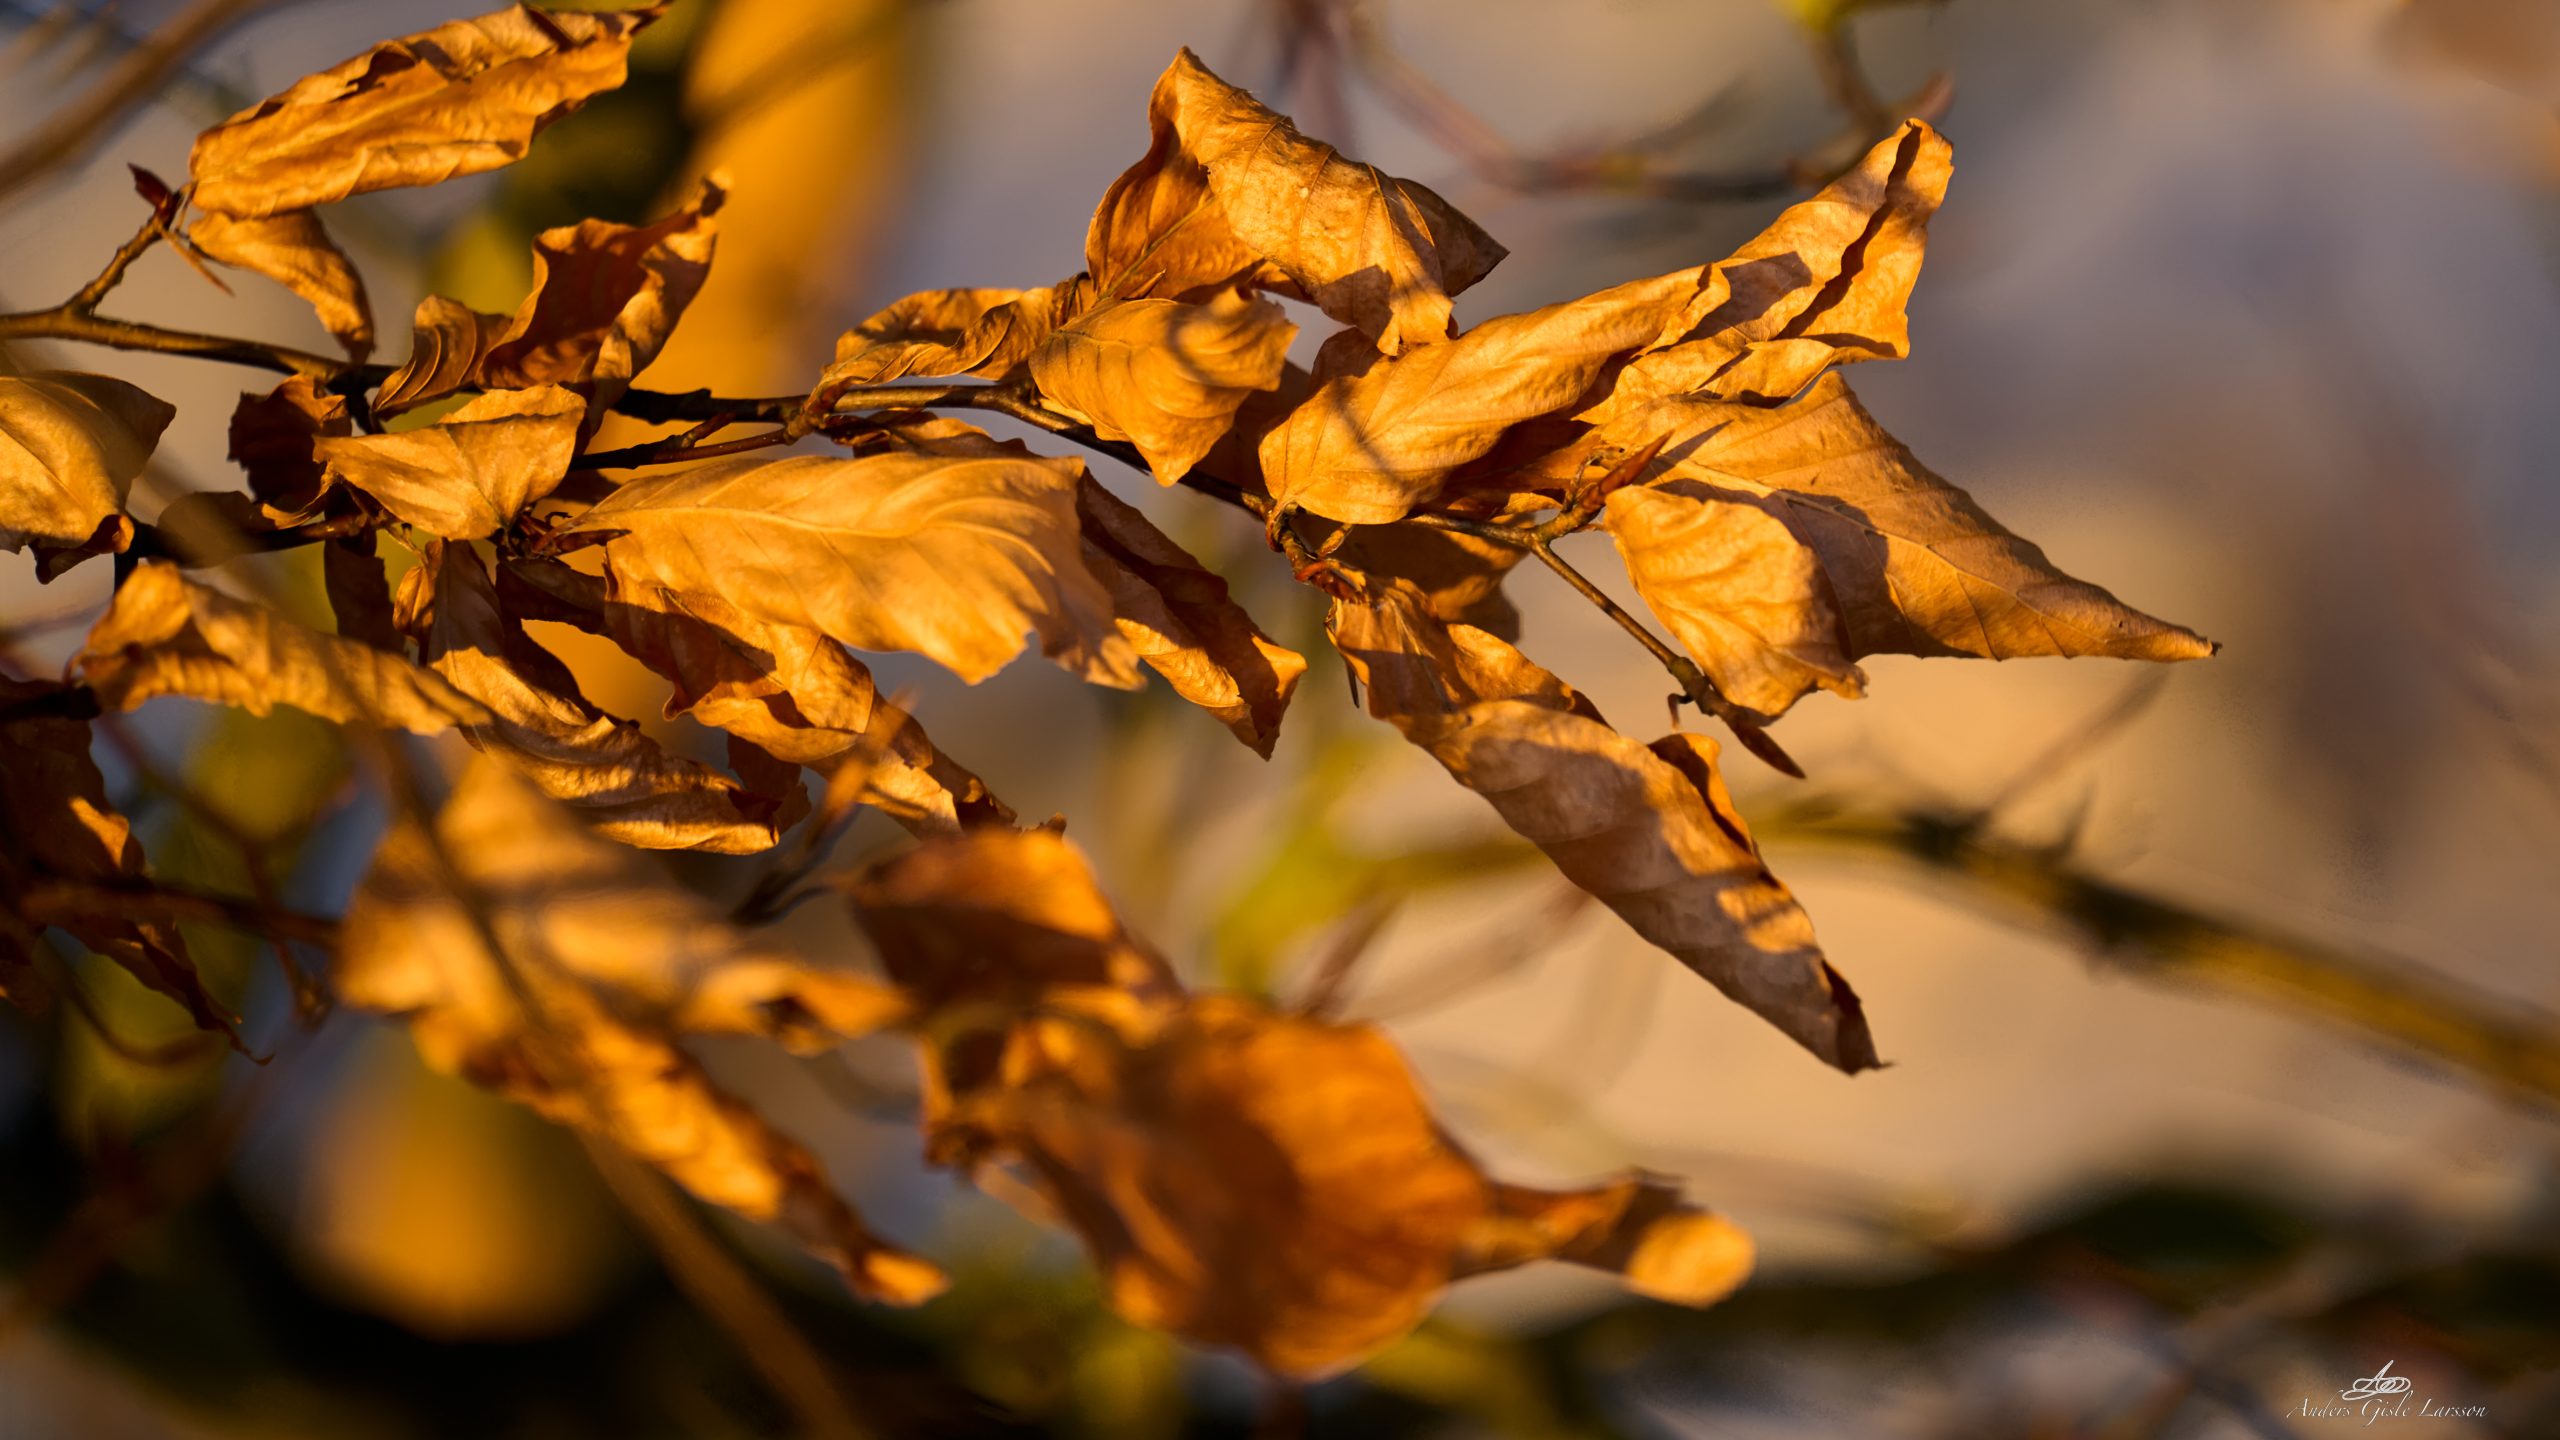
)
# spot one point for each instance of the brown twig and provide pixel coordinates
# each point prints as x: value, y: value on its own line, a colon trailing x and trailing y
x: 52, y: 901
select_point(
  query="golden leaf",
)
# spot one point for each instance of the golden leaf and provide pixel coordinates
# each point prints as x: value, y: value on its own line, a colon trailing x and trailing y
x: 165, y: 634
x: 605, y: 299
x: 1179, y: 618
x: 604, y: 964
x: 274, y: 438
x: 939, y: 332
x: 293, y: 249
x: 70, y: 447
x: 792, y: 693
x: 1165, y: 376
x: 1911, y: 565
x: 1459, y: 575
x: 1370, y: 250
x: 55, y: 822
x: 1648, y: 831
x: 955, y: 551
x: 1269, y: 1182
x: 1380, y: 434
x: 1738, y: 589
x: 628, y: 786
x: 1824, y: 285
x: 470, y: 474
x: 446, y: 342
x: 464, y: 97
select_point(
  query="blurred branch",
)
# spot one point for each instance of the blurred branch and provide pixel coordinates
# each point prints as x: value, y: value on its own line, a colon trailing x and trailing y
x: 2395, y: 1001
x: 52, y: 901
x: 67, y: 136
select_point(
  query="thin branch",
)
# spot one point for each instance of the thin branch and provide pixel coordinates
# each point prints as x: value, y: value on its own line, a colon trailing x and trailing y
x: 53, y: 901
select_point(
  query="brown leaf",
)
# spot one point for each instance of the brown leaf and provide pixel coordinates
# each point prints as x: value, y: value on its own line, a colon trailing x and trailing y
x: 604, y: 964
x: 55, y: 823
x: 1270, y: 1182
x: 792, y: 693
x: 629, y: 787
x: 954, y: 550
x: 605, y: 300
x: 165, y: 634
x: 70, y: 447
x: 359, y: 592
x: 446, y: 342
x: 1737, y: 589
x: 464, y: 97
x: 470, y: 474
x: 1180, y: 619
x: 1165, y: 376
x: 1380, y: 435
x: 1459, y: 575
x: 1370, y: 250
x: 1912, y: 565
x: 1824, y: 285
x: 1649, y: 832
x: 293, y: 249
x: 940, y: 332
x: 274, y: 438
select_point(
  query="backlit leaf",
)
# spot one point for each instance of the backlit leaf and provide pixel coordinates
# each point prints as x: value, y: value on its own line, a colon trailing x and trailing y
x: 293, y: 249
x: 1163, y: 375
x: 70, y: 447
x: 471, y: 473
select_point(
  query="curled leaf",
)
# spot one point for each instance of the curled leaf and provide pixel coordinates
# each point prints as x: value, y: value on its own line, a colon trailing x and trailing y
x: 446, y: 342
x: 1179, y: 618
x: 464, y: 97
x: 1650, y: 831
x: 293, y: 249
x: 168, y: 635
x: 625, y: 783
x: 600, y: 966
x: 470, y: 474
x: 605, y: 299
x: 939, y: 332
x: 275, y: 439
x: 70, y: 447
x: 954, y: 550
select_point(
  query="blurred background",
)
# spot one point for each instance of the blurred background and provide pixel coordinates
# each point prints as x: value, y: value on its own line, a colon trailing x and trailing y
x: 2219, y: 1002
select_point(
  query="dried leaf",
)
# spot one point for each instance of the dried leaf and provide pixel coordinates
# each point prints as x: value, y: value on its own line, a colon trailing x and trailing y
x: 70, y: 447
x: 167, y: 635
x: 55, y: 823
x: 1738, y: 589
x: 792, y: 693
x: 464, y: 97
x: 605, y: 300
x: 1179, y: 618
x: 604, y: 964
x: 628, y: 786
x: 1649, y: 832
x: 293, y: 249
x: 359, y: 592
x: 1912, y: 565
x: 446, y: 342
x: 954, y: 551
x: 274, y: 438
x: 1458, y: 574
x: 1824, y: 285
x: 470, y: 474
x: 1380, y: 435
x: 939, y: 332
x: 1165, y: 376
x: 1370, y: 250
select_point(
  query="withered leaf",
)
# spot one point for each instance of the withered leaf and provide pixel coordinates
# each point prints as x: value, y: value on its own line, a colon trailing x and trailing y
x: 359, y: 591
x: 472, y: 472
x: 792, y: 693
x: 165, y: 634
x: 1739, y: 590
x: 1370, y: 250
x: 464, y: 97
x: 605, y: 964
x: 954, y: 550
x: 1270, y: 1182
x: 625, y: 783
x: 1824, y: 285
x: 1163, y: 375
x: 1460, y: 575
x: 1648, y: 831
x: 939, y: 332
x: 275, y: 438
x: 1179, y: 618
x: 1912, y: 565
x: 446, y: 342
x: 293, y: 249
x: 70, y: 447
x: 55, y: 823
x: 605, y: 299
